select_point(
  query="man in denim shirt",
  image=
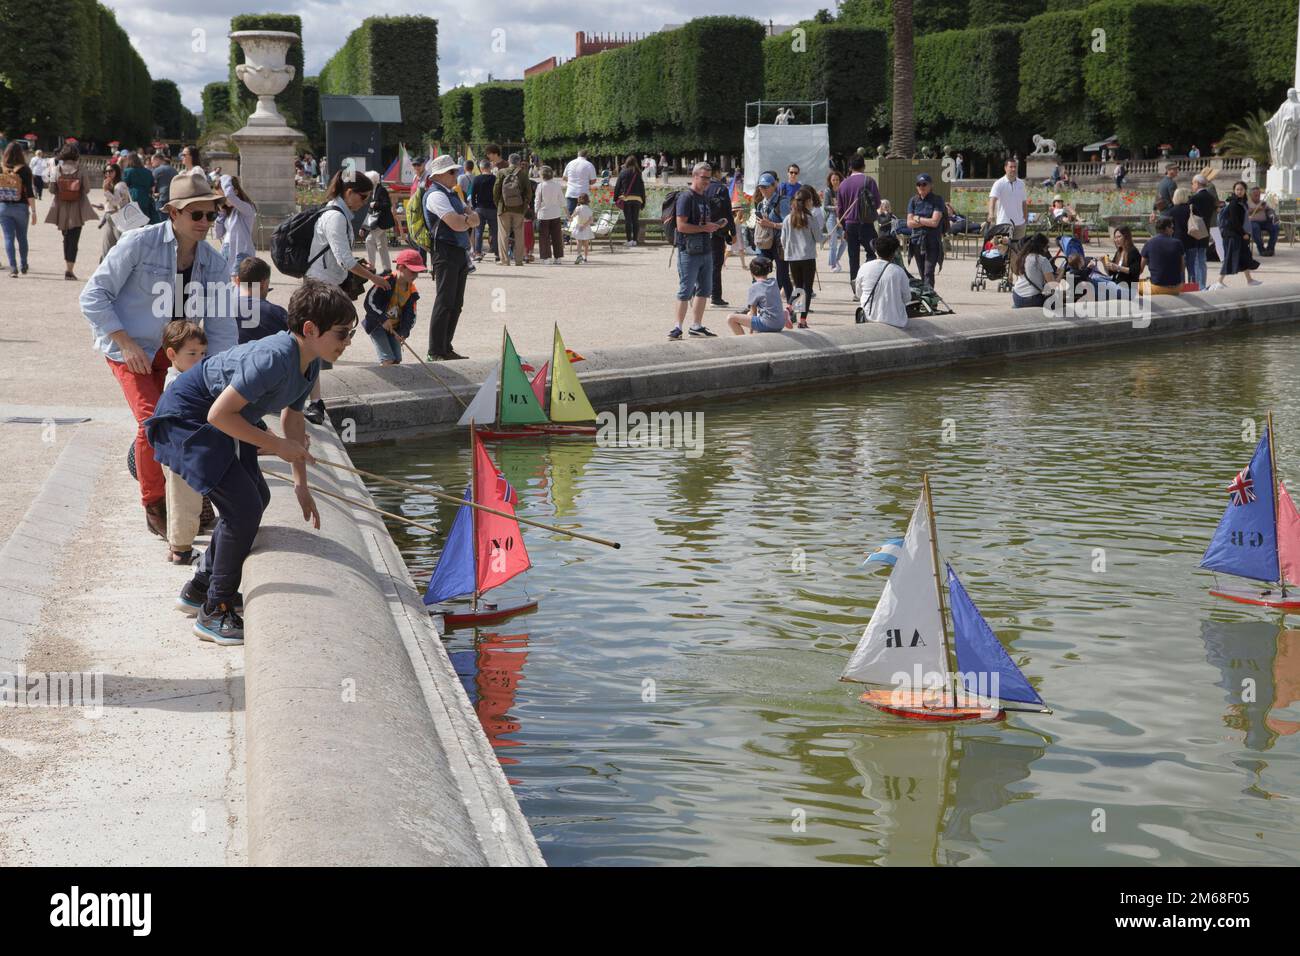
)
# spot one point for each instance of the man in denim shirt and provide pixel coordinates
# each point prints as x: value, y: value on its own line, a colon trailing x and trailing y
x: 131, y: 298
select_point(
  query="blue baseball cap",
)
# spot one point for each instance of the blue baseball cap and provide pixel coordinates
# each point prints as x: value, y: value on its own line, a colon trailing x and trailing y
x: 923, y: 178
x: 767, y: 179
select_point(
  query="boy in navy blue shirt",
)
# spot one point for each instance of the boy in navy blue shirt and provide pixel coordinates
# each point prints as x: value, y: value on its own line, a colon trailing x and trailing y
x: 207, y: 428
x: 258, y: 318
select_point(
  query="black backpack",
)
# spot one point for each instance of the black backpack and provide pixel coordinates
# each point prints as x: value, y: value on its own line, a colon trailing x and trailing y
x: 668, y: 216
x: 291, y: 241
x: 868, y: 205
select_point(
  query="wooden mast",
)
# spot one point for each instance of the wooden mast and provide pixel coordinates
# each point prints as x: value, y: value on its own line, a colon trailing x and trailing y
x: 1272, y: 464
x: 473, y: 522
x: 938, y: 586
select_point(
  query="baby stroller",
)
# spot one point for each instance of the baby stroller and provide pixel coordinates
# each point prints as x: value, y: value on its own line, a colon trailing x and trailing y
x: 991, y: 263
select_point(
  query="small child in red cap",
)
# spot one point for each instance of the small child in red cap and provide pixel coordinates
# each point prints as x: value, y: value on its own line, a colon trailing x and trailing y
x: 390, y: 313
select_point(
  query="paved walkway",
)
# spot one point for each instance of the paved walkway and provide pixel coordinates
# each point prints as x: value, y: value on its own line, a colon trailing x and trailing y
x: 159, y: 777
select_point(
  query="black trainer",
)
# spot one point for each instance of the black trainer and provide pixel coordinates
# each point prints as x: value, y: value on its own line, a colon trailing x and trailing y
x: 700, y: 332
x: 315, y: 412
x: 192, y: 598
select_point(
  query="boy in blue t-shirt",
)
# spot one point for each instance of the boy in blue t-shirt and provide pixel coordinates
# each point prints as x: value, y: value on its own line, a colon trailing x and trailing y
x: 207, y: 428
x: 766, y: 314
x: 257, y: 317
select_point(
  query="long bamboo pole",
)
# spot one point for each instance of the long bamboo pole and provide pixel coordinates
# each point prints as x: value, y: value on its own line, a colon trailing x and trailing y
x: 427, y: 490
x: 356, y: 503
x: 429, y: 368
x: 473, y: 495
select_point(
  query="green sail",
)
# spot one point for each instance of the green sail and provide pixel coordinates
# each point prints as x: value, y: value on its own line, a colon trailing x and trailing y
x: 518, y: 403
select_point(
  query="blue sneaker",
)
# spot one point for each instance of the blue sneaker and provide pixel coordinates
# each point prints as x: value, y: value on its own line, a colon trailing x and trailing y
x: 675, y: 335
x: 192, y: 599
x: 221, y: 626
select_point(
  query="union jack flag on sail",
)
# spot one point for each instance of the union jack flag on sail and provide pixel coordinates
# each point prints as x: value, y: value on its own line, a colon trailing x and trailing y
x: 1242, y: 487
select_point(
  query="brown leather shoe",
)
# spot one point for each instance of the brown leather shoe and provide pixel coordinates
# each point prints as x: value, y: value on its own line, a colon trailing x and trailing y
x: 155, y: 516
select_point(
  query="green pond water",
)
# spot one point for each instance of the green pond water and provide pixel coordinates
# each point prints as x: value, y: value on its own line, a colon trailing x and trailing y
x: 678, y: 701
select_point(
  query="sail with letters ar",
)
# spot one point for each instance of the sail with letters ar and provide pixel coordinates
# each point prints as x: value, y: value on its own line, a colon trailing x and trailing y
x: 1245, y: 543
x: 569, y: 403
x: 906, y: 629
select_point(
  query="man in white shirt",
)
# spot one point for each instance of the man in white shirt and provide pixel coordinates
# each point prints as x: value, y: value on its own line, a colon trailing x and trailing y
x: 883, y: 287
x: 1009, y: 201
x: 579, y: 178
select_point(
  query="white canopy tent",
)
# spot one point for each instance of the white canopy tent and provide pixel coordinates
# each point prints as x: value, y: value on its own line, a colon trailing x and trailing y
x: 769, y: 146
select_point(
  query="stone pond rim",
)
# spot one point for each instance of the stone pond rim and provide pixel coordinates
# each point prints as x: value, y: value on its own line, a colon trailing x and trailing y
x: 378, y: 403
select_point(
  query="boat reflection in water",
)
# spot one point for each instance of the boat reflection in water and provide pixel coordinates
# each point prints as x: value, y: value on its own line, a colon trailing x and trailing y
x: 1259, y: 664
x: 490, y: 670
x: 929, y: 784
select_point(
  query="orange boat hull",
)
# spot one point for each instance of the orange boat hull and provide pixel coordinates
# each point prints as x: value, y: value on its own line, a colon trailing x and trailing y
x: 485, y: 615
x: 927, y: 705
x: 1265, y: 597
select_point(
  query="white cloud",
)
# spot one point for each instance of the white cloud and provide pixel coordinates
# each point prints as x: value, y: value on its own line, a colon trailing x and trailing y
x: 533, y: 31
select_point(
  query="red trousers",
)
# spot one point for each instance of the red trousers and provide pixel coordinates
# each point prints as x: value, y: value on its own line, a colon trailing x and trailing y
x: 142, y: 393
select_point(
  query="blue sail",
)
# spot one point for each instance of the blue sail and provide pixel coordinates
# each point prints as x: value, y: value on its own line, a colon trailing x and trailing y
x: 454, y: 574
x: 980, y: 654
x: 1245, y: 543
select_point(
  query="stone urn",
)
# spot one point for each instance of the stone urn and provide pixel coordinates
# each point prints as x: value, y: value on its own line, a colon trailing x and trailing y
x: 264, y: 70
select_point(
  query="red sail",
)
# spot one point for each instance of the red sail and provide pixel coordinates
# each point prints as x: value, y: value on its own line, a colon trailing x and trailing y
x: 1288, y: 536
x: 539, y: 384
x: 498, y: 546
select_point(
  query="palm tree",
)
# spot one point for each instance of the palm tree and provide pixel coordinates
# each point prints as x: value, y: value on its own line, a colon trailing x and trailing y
x: 902, y: 143
x: 1249, y: 138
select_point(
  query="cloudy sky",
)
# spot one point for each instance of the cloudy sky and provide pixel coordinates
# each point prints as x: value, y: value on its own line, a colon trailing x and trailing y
x: 535, y: 29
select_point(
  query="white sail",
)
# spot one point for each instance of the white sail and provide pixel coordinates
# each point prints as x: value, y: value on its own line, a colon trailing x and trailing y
x: 406, y: 172
x: 483, y: 409
x: 905, y: 633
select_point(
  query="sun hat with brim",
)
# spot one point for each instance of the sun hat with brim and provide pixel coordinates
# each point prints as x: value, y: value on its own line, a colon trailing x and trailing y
x: 190, y: 188
x: 443, y: 164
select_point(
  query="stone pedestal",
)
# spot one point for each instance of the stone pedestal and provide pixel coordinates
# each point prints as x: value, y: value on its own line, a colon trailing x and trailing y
x: 266, y: 172
x: 1283, y: 182
x: 1038, y: 167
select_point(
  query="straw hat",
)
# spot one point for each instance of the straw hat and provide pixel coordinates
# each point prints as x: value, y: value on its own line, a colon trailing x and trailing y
x: 190, y: 188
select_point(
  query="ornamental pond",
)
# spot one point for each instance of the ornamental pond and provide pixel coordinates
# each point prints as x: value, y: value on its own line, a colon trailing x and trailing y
x: 677, y: 701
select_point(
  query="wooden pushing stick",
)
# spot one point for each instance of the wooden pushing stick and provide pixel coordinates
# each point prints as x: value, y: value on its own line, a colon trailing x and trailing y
x: 427, y: 490
x: 429, y: 368
x: 355, y: 503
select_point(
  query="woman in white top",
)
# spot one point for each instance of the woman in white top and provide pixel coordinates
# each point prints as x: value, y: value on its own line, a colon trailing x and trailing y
x: 551, y: 209
x: 234, y: 226
x: 1033, y: 271
x: 39, y: 166
x: 331, y: 244
x: 883, y: 288
x: 116, y: 197
x: 331, y: 257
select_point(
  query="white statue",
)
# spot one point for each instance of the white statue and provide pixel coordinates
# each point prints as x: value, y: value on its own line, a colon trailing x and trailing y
x: 783, y: 117
x: 1284, y: 131
x: 1044, y: 146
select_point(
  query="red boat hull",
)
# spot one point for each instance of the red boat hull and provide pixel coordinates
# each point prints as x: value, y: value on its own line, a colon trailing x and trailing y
x: 886, y: 701
x: 535, y: 431
x: 1267, y: 597
x: 485, y: 615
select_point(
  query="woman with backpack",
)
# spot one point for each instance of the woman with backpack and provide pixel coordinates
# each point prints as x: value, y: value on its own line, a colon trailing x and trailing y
x: 17, y: 202
x: 801, y: 233
x: 71, y: 207
x: 1234, y: 223
x: 629, y: 195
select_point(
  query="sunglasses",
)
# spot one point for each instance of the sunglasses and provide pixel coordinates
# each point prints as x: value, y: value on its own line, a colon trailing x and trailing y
x: 345, y: 336
x: 200, y: 216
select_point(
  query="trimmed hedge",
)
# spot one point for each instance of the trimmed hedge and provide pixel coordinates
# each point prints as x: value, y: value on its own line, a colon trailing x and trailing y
x: 290, y: 101
x: 311, y: 121
x: 1052, y: 50
x: 929, y: 16
x: 679, y: 90
x: 391, y: 56
x: 1260, y: 36
x: 82, y: 79
x: 845, y: 64
x: 1151, y: 99
x: 966, y: 89
x: 457, y: 115
x: 988, y: 13
x: 498, y: 112
x: 168, y: 111
x: 216, y: 100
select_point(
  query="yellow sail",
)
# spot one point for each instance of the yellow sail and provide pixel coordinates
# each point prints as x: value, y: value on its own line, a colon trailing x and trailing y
x: 569, y: 402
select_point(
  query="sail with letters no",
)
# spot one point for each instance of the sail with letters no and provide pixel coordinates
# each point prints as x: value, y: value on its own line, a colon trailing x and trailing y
x: 483, y: 550
x: 906, y: 646
x: 1258, y: 537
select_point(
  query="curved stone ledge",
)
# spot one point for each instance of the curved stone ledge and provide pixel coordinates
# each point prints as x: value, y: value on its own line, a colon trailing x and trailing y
x: 404, y: 401
x: 362, y: 747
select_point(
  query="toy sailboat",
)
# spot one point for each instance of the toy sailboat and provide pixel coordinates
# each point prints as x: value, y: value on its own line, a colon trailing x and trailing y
x: 1258, y: 536
x: 906, y: 646
x: 507, y: 398
x: 483, y: 551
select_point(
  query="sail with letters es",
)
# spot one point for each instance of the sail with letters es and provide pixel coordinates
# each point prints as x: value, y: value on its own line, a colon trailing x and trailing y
x: 518, y: 406
x: 569, y: 403
x: 1245, y: 543
x: 906, y: 629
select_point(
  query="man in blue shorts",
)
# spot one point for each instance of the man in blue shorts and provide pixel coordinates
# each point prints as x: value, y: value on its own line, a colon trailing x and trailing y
x: 694, y: 253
